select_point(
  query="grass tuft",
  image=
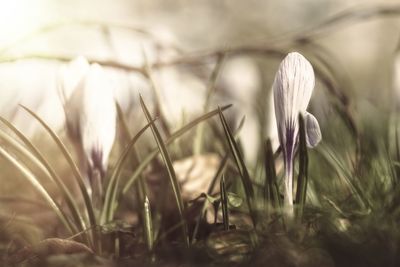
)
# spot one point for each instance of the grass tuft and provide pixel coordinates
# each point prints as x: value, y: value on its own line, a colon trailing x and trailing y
x: 171, y: 172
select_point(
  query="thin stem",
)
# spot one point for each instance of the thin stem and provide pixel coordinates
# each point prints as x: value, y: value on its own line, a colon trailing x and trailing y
x: 289, y: 186
x: 288, y: 182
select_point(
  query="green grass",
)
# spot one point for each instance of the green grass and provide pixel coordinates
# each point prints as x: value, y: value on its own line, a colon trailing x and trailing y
x: 344, y: 209
x: 351, y: 207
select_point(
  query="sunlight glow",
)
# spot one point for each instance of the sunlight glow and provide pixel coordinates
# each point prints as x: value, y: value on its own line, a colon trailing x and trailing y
x: 19, y: 17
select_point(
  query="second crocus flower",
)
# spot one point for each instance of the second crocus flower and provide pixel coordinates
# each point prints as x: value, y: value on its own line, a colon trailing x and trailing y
x: 88, y: 99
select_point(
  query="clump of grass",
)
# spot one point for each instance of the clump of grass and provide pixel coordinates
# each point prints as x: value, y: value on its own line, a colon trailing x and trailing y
x: 336, y: 222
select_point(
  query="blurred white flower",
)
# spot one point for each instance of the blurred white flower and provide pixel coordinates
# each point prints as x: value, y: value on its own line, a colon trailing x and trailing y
x: 35, y: 91
x: 293, y: 86
x: 396, y: 80
x: 90, y: 111
x: 271, y: 128
x: 241, y: 79
x: 182, y: 94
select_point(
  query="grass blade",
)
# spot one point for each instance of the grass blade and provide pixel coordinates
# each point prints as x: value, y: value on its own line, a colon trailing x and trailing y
x: 19, y: 148
x: 148, y: 224
x: 159, y: 107
x: 146, y: 161
x: 218, y: 175
x: 343, y: 173
x: 112, y: 187
x: 199, y: 138
x: 224, y: 204
x: 244, y: 174
x: 38, y: 159
x: 397, y: 152
x: 140, y: 187
x: 171, y: 172
x: 302, y: 179
x: 36, y: 184
x: 271, y: 185
x: 74, y: 168
x: 122, y: 125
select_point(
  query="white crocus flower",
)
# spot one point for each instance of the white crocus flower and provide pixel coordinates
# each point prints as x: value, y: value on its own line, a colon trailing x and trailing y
x: 90, y: 113
x: 293, y: 85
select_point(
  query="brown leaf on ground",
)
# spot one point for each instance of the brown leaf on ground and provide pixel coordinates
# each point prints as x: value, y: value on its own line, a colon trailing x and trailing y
x: 195, y: 174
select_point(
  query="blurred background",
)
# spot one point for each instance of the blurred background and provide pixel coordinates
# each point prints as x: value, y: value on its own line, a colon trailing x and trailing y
x: 183, y: 42
x: 38, y: 36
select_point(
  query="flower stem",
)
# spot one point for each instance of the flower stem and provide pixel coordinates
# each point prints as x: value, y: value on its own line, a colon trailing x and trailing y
x: 288, y: 184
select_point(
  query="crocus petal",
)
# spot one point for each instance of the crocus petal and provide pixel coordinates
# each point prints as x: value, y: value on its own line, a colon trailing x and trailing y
x: 98, y: 116
x: 313, y: 132
x: 71, y: 75
x: 293, y: 86
x: 90, y: 113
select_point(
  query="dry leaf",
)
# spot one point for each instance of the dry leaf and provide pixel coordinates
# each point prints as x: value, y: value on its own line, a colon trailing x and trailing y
x: 195, y: 174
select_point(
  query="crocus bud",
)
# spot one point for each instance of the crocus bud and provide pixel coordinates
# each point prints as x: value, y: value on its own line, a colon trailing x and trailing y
x: 90, y: 113
x: 293, y: 86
